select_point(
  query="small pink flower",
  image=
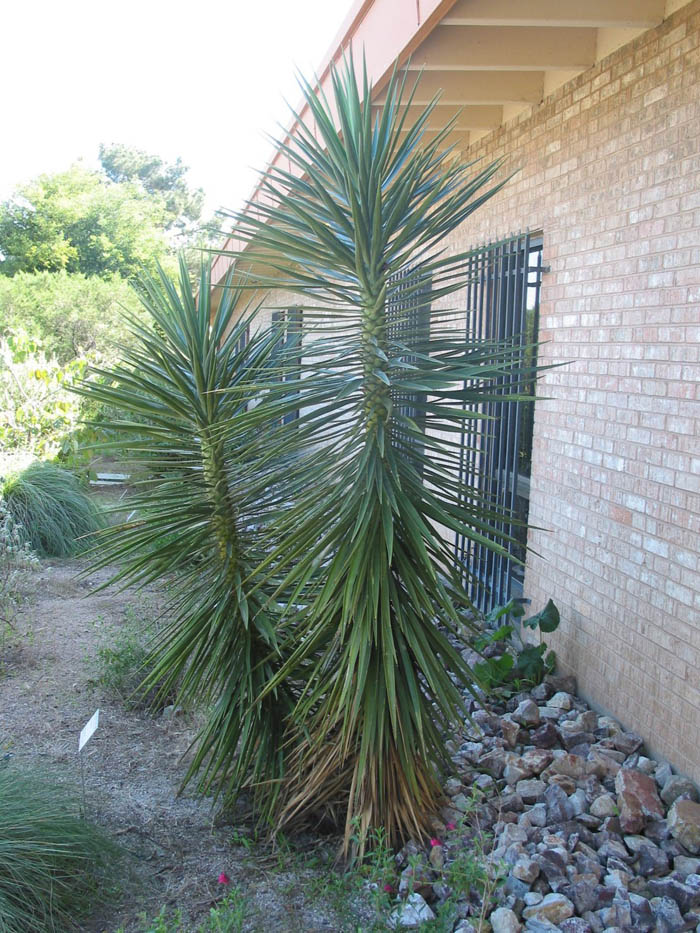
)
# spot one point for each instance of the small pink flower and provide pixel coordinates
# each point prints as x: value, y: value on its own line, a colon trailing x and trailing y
x: 450, y: 826
x: 388, y: 888
x: 223, y: 878
x: 435, y: 842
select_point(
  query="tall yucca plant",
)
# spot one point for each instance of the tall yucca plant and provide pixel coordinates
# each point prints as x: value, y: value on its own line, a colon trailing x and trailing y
x: 375, y: 483
x: 196, y: 523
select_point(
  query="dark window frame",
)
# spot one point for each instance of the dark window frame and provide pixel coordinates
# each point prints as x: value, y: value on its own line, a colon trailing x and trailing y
x: 290, y: 322
x: 503, y: 299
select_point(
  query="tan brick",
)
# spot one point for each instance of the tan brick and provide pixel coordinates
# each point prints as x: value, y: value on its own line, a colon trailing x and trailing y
x: 610, y: 172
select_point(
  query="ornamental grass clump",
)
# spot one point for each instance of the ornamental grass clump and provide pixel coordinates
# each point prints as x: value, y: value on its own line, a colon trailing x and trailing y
x: 56, y: 514
x: 55, y: 868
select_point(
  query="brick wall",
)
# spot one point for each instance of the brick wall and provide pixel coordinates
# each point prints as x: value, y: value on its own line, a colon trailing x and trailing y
x: 609, y: 170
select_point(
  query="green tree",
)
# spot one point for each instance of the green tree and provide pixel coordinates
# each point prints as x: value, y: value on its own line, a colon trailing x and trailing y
x: 166, y: 181
x: 80, y: 221
x: 68, y: 314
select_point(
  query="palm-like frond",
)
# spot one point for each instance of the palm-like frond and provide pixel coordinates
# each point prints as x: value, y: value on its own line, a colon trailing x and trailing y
x: 371, y: 488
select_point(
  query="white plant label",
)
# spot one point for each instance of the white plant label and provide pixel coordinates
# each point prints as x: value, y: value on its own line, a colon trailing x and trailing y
x: 88, y: 730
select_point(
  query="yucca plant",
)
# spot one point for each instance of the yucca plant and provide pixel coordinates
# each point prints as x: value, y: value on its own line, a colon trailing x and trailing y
x: 197, y: 519
x: 354, y: 227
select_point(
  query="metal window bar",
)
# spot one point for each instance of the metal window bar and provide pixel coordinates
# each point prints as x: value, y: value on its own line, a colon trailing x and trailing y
x: 408, y: 323
x: 289, y: 322
x: 502, y: 304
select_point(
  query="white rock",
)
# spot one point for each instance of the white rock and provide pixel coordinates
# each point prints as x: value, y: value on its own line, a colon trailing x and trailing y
x: 560, y: 700
x: 527, y: 713
x: 485, y: 783
x: 686, y: 866
x: 538, y: 815
x: 604, y: 806
x: 553, y: 907
x: 578, y: 801
x: 411, y: 914
x: 504, y: 921
x: 512, y: 834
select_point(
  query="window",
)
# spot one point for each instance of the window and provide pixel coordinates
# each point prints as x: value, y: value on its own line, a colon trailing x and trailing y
x: 503, y: 299
x: 243, y: 340
x: 408, y: 323
x: 289, y: 323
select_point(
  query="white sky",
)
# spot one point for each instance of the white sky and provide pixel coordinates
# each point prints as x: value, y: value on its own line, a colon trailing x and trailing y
x: 203, y: 80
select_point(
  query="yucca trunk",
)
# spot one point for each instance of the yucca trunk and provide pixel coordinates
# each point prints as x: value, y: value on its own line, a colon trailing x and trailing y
x: 224, y: 515
x: 376, y: 386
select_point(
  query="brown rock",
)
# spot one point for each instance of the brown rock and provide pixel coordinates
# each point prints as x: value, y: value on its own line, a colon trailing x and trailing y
x: 627, y: 742
x: 572, y: 766
x: 602, y: 765
x: 588, y: 720
x: 567, y: 784
x: 494, y: 762
x: 516, y: 770
x: 637, y: 800
x: 631, y: 817
x: 526, y: 869
x: 684, y: 823
x: 546, y: 736
x: 554, y: 907
x: 564, y: 682
x: 531, y: 790
x: 437, y: 857
x: 537, y: 759
x: 510, y: 731
x: 676, y: 787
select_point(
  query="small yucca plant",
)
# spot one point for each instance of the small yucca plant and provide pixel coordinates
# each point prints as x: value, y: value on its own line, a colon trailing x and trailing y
x: 209, y: 492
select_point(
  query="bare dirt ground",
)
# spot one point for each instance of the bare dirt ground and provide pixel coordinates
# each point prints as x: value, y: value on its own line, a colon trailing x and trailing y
x: 133, y: 766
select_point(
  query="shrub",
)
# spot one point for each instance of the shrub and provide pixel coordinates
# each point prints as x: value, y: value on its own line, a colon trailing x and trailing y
x: 124, y: 661
x: 16, y: 558
x: 356, y: 232
x: 54, y: 866
x: 54, y: 510
x: 69, y: 315
x: 37, y: 410
x: 510, y: 663
x: 200, y: 522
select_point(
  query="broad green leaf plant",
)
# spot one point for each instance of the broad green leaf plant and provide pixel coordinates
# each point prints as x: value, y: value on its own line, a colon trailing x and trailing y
x: 374, y: 483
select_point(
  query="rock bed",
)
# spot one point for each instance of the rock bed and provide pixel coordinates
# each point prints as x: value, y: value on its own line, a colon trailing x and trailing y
x: 586, y: 833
